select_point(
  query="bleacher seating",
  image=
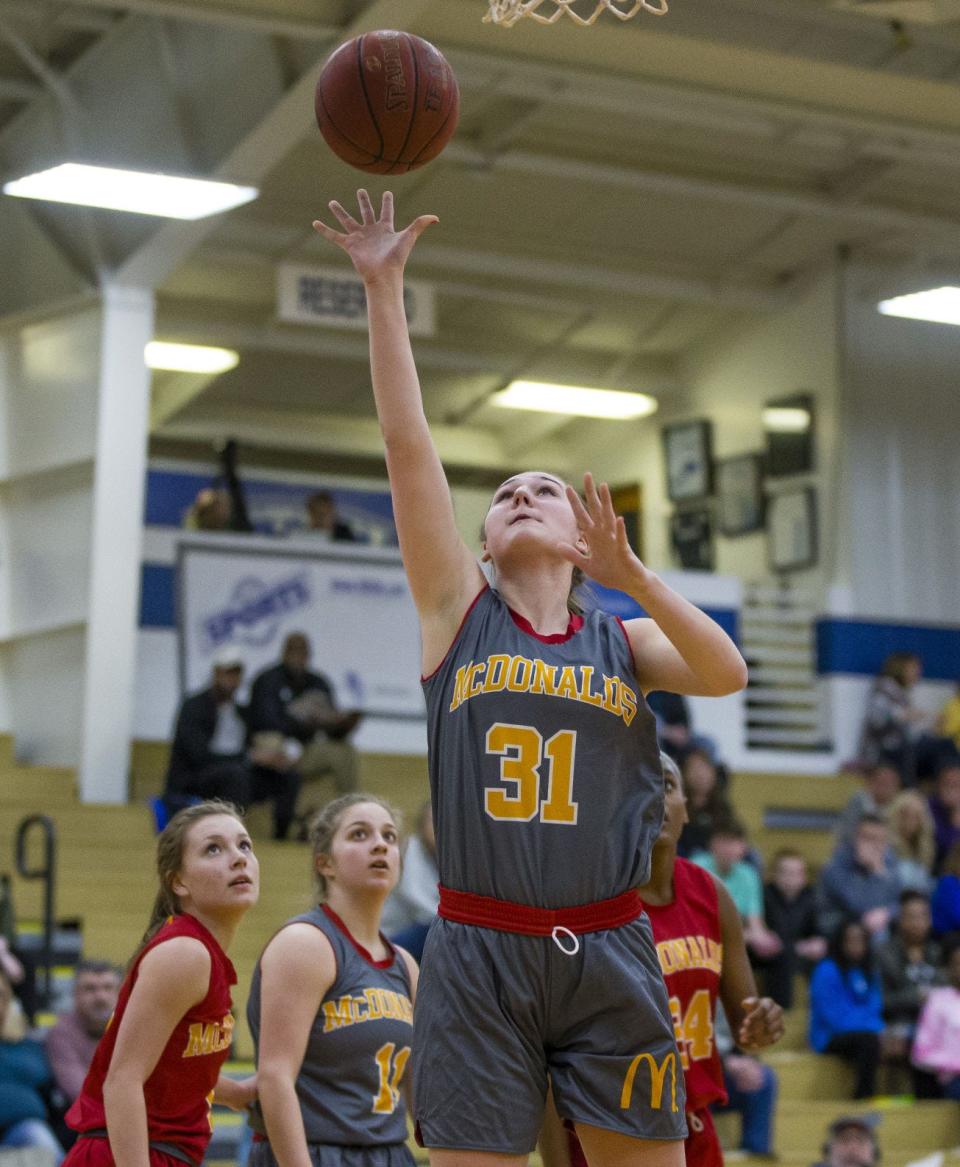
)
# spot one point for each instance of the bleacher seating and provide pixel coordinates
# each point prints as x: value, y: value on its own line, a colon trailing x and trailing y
x: 106, y: 880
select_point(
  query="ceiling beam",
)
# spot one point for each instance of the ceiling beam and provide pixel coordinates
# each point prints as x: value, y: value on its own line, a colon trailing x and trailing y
x: 358, y: 436
x: 179, y: 324
x: 712, y: 189
x: 261, y: 18
x: 674, y: 101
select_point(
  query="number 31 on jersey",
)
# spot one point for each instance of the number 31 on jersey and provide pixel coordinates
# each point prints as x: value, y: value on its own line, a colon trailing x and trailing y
x: 523, y: 755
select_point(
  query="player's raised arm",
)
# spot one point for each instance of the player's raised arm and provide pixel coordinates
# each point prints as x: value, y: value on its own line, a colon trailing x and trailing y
x: 444, y: 575
x: 679, y: 648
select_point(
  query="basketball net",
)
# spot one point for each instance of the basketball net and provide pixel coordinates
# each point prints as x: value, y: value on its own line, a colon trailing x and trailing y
x: 508, y: 12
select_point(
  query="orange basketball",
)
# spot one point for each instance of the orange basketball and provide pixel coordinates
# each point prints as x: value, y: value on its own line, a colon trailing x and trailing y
x: 387, y: 102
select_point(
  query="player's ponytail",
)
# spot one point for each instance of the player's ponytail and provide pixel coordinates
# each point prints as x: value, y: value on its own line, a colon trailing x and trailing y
x: 170, y: 847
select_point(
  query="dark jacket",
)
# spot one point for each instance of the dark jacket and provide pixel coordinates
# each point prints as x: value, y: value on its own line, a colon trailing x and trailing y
x: 792, y: 920
x: 271, y: 694
x: 196, y: 725
x: 903, y: 981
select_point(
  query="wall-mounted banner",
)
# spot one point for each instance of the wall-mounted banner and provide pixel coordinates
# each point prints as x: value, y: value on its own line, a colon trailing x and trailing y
x: 334, y: 296
x: 355, y: 608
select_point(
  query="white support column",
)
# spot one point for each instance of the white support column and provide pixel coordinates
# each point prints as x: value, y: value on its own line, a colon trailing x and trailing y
x: 123, y: 406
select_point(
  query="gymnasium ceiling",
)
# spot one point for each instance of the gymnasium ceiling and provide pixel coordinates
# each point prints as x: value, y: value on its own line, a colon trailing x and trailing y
x: 614, y: 198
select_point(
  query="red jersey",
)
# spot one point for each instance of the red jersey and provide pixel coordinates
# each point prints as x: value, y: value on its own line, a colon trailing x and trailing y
x: 179, y: 1092
x: 687, y: 937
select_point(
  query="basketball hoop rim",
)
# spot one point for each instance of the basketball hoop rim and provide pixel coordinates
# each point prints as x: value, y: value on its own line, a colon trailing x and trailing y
x: 506, y: 13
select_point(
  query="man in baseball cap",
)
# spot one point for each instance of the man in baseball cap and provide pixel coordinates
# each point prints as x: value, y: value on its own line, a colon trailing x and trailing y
x: 851, y: 1142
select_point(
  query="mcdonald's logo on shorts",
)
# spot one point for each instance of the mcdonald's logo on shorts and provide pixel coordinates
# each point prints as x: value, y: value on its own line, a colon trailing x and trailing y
x: 658, y: 1077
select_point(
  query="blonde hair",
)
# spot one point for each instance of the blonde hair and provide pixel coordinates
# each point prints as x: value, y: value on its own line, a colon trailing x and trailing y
x: 923, y: 848
x: 325, y: 824
x: 170, y: 846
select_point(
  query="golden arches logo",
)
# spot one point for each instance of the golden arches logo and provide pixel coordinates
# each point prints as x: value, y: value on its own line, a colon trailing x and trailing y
x: 658, y: 1075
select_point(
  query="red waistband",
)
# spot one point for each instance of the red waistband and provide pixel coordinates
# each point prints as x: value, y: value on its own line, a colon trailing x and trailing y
x: 463, y: 907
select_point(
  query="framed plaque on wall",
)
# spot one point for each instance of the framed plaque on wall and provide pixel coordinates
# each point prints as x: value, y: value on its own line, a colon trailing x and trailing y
x: 740, y: 501
x: 687, y: 451
x: 792, y: 529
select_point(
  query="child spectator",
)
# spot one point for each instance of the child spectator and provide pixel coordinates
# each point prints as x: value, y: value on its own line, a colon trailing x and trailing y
x: 707, y: 805
x: 937, y: 1045
x: 945, y: 808
x: 945, y: 905
x: 726, y: 859
x: 909, y: 968
x: 846, y: 1005
x: 881, y: 785
x: 911, y: 836
x: 861, y: 881
x: 790, y: 911
x: 851, y: 1142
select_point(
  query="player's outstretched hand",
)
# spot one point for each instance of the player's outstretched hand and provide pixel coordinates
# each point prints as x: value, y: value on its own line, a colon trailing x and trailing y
x: 762, y: 1024
x: 376, y: 248
x: 605, y: 554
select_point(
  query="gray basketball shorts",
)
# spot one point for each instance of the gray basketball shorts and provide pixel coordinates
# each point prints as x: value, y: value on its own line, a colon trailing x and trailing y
x: 499, y: 1014
x: 335, y: 1155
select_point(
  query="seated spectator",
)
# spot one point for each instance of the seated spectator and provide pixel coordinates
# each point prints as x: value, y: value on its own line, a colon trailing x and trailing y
x: 945, y: 903
x: 912, y: 839
x: 726, y: 859
x: 851, y: 1142
x: 751, y: 1087
x: 293, y: 710
x: 323, y: 520
x: 71, y: 1042
x: 893, y: 727
x: 909, y: 968
x: 881, y: 785
x: 846, y: 1005
x: 412, y: 905
x: 948, y: 722
x: 790, y: 912
x: 209, y: 756
x: 945, y: 808
x: 936, y: 1048
x: 860, y: 882
x: 24, y: 1078
x: 707, y: 805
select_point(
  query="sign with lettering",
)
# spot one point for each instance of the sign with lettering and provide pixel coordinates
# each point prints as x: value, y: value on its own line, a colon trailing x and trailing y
x: 354, y: 605
x: 334, y: 296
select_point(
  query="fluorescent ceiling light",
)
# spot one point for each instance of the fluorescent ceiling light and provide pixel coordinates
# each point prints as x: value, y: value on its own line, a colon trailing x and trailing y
x: 189, y: 358
x: 572, y: 399
x: 780, y: 420
x: 941, y: 305
x: 131, y: 190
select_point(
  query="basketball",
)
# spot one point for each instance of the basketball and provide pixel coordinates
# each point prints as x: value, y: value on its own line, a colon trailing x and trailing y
x: 387, y: 102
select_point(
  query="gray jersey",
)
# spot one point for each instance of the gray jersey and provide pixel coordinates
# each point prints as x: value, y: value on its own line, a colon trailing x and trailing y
x: 348, y: 1085
x: 544, y: 765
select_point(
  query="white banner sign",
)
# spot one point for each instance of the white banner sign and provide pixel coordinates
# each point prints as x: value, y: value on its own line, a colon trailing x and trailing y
x: 335, y: 296
x: 356, y: 610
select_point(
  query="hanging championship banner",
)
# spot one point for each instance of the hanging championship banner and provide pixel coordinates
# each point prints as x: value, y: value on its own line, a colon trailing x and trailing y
x: 335, y: 296
x: 355, y: 608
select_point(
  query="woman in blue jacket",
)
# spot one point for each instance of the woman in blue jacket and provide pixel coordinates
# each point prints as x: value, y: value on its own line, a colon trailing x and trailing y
x: 846, y: 1005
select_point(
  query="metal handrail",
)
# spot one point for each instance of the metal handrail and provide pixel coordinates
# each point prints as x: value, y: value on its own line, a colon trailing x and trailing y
x: 48, y: 873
